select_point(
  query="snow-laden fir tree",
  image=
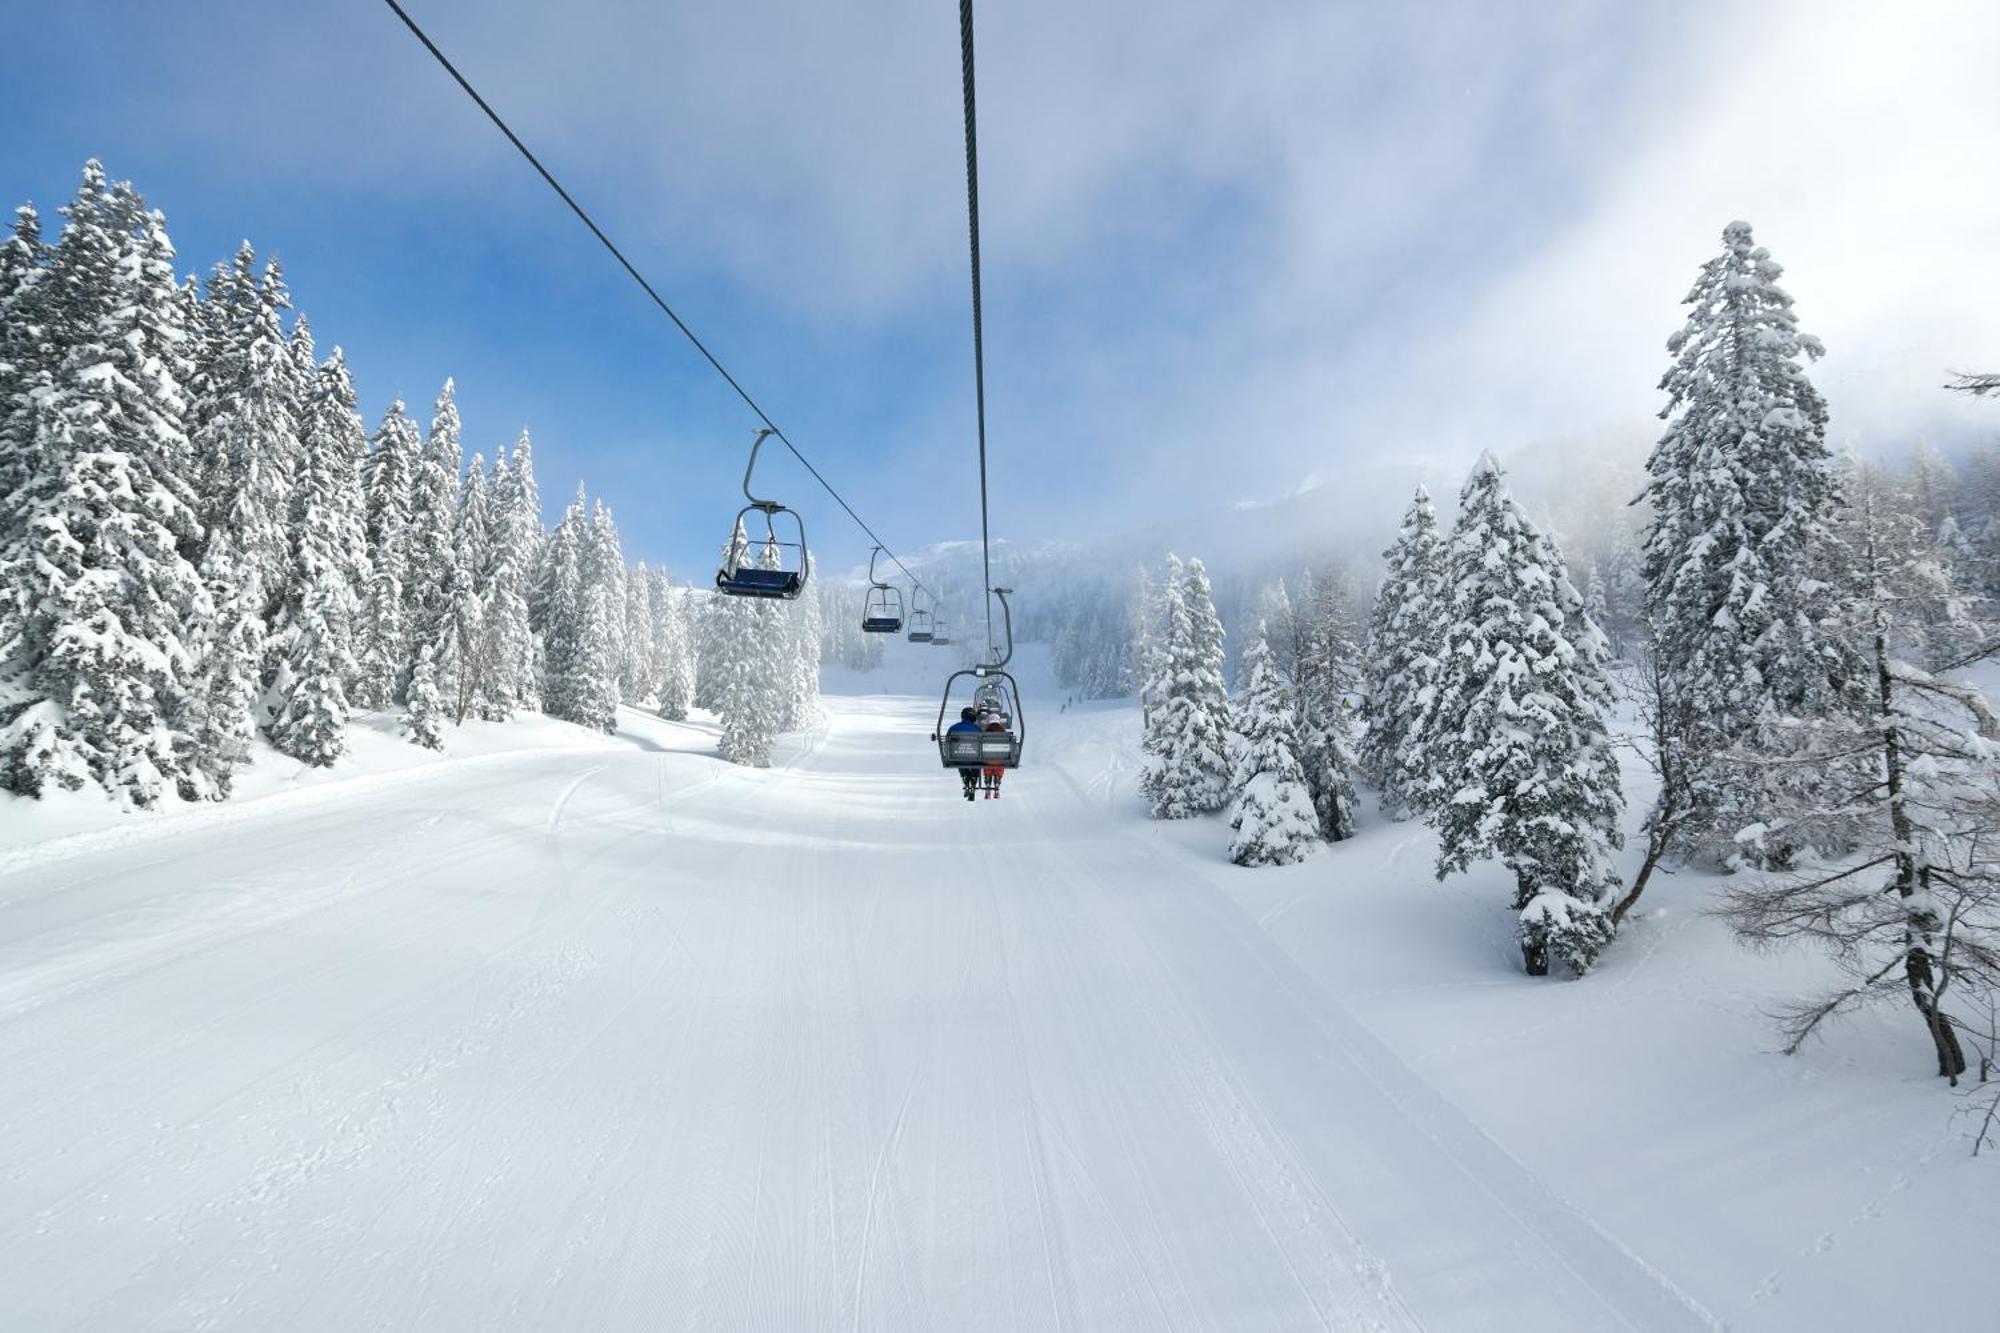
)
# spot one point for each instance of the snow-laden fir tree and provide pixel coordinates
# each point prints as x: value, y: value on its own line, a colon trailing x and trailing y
x: 1524, y: 772
x: 712, y: 627
x: 677, y: 648
x: 804, y: 630
x: 1324, y: 676
x: 1912, y: 912
x: 104, y: 683
x: 25, y: 364
x: 673, y: 681
x: 604, y: 566
x: 749, y: 670
x: 424, y: 717
x: 511, y: 678
x: 462, y: 647
x: 1403, y: 639
x: 593, y: 679
x: 1271, y: 809
x: 640, y: 679
x: 1741, y: 487
x: 390, y: 473
x: 246, y: 414
x: 313, y: 631
x: 561, y: 597
x: 1157, y: 617
x: 1596, y: 601
x: 1191, y: 764
x: 1624, y: 594
x: 430, y: 564
x: 222, y: 714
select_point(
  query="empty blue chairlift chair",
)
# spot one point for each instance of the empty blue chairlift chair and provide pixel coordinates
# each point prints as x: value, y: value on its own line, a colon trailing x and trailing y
x: 773, y: 567
x: 882, y: 612
x: 920, y: 618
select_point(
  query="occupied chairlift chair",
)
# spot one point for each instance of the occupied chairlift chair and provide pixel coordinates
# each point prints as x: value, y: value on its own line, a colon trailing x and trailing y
x: 882, y: 612
x: 997, y: 694
x: 742, y: 574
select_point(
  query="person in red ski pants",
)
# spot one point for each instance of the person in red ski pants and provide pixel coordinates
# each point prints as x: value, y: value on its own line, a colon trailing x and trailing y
x: 994, y: 771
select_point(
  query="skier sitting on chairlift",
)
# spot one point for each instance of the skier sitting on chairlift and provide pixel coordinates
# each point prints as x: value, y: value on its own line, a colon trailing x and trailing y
x: 994, y: 772
x: 968, y: 721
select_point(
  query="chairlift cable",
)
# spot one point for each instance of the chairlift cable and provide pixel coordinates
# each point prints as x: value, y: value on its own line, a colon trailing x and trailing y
x: 978, y: 334
x: 659, y: 301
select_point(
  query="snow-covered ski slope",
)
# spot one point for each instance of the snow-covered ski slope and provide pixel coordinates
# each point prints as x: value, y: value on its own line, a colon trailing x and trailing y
x: 617, y: 1036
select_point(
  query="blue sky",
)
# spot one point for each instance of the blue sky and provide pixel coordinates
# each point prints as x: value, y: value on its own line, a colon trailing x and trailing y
x: 1230, y: 247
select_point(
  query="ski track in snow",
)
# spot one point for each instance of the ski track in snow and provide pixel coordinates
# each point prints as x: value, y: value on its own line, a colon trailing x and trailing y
x: 660, y: 1043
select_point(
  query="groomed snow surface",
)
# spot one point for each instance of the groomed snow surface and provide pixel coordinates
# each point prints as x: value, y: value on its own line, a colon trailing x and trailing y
x: 602, y: 1033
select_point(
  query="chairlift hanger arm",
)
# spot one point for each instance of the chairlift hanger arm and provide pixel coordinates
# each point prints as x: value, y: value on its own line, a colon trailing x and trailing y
x: 1007, y: 618
x: 763, y: 432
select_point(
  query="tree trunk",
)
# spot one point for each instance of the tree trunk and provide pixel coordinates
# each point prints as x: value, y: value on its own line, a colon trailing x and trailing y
x: 1535, y: 958
x: 1944, y: 1037
x: 1917, y: 964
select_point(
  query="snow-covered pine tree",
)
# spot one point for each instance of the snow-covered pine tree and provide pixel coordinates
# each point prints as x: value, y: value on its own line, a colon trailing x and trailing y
x: 1913, y: 914
x: 593, y: 680
x: 511, y: 678
x: 715, y: 629
x: 314, y: 630
x: 430, y: 594
x: 25, y: 362
x: 1404, y: 635
x: 1324, y: 677
x: 1741, y: 487
x: 750, y: 680
x: 528, y: 498
x: 1271, y: 810
x: 1931, y: 486
x: 423, y: 719
x: 639, y: 681
x: 222, y: 716
x: 673, y: 676
x: 1596, y: 601
x: 804, y: 628
x: 604, y: 565
x: 1156, y: 661
x: 1525, y: 772
x: 1191, y: 766
x: 1625, y: 595
x: 462, y: 647
x: 385, y: 632
x: 561, y: 596
x: 677, y: 658
x: 102, y: 691
x: 246, y: 433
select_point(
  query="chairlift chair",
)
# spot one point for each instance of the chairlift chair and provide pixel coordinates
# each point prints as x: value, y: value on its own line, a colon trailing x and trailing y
x: 940, y: 635
x: 744, y: 571
x: 882, y: 611
x: 920, y: 616
x: 997, y: 695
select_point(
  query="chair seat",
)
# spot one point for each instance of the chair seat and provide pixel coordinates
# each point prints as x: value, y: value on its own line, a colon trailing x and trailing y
x: 980, y: 749
x: 881, y: 625
x: 751, y: 581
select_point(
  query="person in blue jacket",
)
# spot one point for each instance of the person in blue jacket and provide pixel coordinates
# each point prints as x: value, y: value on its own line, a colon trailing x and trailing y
x: 968, y: 721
